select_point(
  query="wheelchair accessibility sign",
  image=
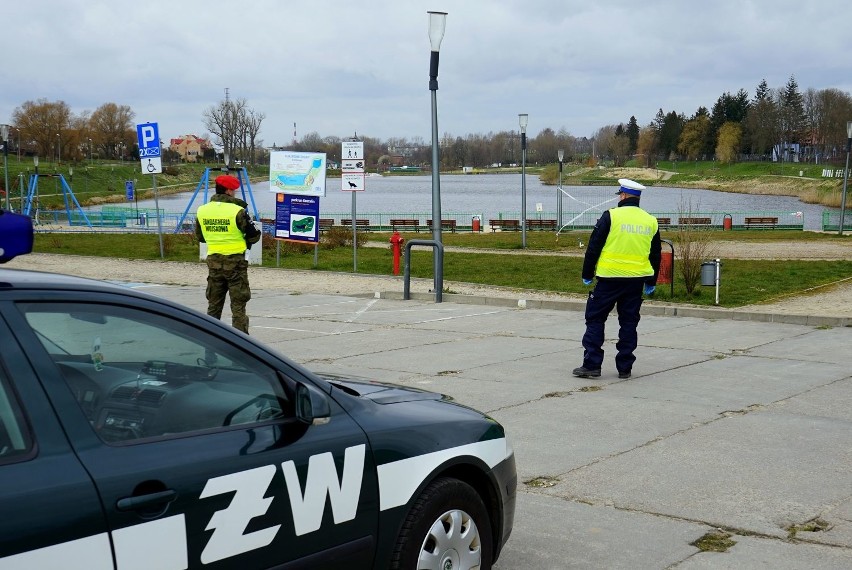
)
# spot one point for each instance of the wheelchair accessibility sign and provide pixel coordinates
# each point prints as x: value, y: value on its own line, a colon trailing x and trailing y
x: 148, y: 135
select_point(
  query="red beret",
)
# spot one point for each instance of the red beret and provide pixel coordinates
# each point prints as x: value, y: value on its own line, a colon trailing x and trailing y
x: 226, y: 181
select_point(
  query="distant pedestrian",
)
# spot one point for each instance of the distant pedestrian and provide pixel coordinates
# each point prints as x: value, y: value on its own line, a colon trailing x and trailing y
x: 624, y: 254
x: 224, y: 224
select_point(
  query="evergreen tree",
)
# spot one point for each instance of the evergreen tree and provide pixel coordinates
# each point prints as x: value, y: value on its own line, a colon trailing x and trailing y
x: 761, y: 121
x: 792, y: 113
x: 632, y: 134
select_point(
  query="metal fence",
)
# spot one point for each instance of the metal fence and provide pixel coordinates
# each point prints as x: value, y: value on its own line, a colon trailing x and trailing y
x: 130, y: 219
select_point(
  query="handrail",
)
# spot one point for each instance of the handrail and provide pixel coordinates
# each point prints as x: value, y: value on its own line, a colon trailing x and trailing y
x: 438, y: 251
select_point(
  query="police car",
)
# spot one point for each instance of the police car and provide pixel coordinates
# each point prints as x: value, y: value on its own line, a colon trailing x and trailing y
x: 136, y: 433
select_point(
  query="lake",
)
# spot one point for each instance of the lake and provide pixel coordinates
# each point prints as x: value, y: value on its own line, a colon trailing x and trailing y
x: 496, y: 195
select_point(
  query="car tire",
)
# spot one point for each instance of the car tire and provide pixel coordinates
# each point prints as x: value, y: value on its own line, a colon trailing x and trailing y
x: 447, y: 529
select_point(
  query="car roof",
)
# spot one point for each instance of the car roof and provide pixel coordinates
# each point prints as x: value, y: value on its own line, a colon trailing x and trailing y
x: 27, y: 279
x: 24, y: 279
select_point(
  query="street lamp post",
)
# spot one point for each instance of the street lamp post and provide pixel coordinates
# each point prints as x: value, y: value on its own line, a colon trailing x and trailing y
x: 845, y: 174
x: 4, y: 135
x: 91, y: 162
x: 59, y: 149
x: 561, y: 155
x: 523, y: 119
x: 437, y: 26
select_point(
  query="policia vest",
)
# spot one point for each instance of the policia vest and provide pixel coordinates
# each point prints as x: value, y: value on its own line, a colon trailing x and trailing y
x: 218, y: 222
x: 625, y: 252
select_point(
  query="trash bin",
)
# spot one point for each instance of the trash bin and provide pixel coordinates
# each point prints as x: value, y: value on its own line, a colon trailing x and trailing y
x: 476, y: 224
x: 708, y: 273
x: 666, y: 267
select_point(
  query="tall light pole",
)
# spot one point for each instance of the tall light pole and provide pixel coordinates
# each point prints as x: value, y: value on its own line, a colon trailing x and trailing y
x: 845, y: 175
x: 59, y: 149
x: 437, y: 26
x: 523, y: 118
x: 19, y: 143
x: 4, y: 137
x: 91, y: 162
x: 561, y: 155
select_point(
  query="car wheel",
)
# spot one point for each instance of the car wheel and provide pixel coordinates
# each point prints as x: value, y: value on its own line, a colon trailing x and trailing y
x: 447, y: 529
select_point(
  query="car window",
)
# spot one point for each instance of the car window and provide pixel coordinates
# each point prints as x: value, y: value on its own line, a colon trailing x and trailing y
x: 15, y: 440
x: 138, y: 375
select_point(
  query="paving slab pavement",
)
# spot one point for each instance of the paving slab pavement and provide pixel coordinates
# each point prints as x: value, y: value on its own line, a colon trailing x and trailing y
x: 743, y: 425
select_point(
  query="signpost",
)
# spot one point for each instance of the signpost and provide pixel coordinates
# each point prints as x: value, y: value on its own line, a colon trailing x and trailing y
x: 298, y: 181
x: 352, y: 180
x: 148, y: 135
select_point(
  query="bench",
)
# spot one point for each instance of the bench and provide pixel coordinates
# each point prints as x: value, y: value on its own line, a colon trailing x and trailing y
x: 445, y: 225
x: 663, y: 222
x: 513, y: 225
x: 362, y: 223
x: 325, y: 223
x: 541, y: 225
x: 694, y: 221
x: 405, y: 224
x: 761, y: 222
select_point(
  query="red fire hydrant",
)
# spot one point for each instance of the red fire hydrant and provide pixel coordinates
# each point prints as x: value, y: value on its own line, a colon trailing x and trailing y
x: 396, y: 241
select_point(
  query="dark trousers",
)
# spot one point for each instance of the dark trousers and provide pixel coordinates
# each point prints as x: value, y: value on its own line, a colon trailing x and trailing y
x: 626, y: 295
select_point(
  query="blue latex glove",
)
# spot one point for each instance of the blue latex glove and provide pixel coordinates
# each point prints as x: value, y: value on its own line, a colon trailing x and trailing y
x: 649, y: 289
x: 587, y: 281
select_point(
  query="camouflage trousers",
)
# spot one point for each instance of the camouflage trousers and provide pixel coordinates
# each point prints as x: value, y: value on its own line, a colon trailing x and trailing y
x: 228, y: 274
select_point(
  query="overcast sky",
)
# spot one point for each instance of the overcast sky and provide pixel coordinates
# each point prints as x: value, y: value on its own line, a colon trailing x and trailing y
x: 338, y: 67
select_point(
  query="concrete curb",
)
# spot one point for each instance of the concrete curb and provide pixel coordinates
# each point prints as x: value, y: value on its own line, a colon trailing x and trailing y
x: 648, y: 308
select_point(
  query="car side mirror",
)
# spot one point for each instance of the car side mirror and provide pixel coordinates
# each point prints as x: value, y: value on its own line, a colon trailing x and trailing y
x: 311, y: 406
x: 16, y: 235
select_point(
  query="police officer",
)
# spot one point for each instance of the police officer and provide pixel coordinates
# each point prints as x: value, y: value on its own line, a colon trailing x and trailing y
x: 224, y: 224
x: 624, y: 255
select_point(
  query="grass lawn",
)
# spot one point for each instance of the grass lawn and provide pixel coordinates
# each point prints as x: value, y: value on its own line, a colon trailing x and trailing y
x: 743, y: 282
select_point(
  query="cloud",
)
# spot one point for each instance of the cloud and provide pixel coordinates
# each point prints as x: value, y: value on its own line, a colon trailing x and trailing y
x: 339, y: 67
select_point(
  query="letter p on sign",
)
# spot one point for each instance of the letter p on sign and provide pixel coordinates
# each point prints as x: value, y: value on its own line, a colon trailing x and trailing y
x: 148, y: 134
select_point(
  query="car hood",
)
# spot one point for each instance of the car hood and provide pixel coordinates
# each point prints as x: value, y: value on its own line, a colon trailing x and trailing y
x: 380, y: 392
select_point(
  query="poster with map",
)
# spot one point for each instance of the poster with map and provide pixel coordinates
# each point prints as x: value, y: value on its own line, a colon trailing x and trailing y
x: 297, y: 173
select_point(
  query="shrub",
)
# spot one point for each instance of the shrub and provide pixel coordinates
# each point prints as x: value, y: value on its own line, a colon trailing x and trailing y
x: 341, y: 236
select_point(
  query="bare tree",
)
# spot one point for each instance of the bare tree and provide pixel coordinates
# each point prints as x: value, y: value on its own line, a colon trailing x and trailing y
x: 112, y: 129
x: 694, y: 245
x: 44, y: 126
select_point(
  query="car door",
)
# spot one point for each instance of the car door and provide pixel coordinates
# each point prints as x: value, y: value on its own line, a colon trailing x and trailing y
x: 191, y: 436
x: 51, y: 514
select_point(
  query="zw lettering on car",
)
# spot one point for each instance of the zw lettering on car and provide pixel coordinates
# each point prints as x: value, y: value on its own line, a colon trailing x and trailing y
x: 229, y: 524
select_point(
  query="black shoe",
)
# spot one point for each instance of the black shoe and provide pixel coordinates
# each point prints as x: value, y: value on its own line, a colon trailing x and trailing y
x: 624, y: 375
x: 583, y: 372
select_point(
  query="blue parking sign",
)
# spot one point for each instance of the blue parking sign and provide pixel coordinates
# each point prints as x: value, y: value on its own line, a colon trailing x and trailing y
x: 128, y: 188
x: 148, y: 135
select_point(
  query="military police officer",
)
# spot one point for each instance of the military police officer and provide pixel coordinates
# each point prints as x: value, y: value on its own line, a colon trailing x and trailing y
x: 224, y: 224
x: 624, y: 255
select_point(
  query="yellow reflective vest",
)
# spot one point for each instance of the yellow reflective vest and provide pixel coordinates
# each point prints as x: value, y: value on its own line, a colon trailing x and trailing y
x: 625, y: 252
x: 218, y: 222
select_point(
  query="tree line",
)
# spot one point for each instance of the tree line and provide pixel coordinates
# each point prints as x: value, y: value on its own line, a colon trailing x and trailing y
x: 782, y: 123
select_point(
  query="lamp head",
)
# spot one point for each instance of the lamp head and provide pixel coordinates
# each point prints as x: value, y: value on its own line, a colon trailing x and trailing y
x: 561, y: 154
x: 4, y: 132
x: 35, y: 161
x: 437, y: 25
x: 523, y: 119
x: 849, y: 129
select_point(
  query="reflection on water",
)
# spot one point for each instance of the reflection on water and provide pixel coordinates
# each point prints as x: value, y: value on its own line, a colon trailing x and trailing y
x: 493, y: 195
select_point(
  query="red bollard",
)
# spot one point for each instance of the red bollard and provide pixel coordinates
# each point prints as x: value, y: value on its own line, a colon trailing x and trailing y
x: 396, y: 241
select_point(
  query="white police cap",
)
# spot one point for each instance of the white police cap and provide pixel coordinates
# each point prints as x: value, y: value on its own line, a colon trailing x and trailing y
x: 630, y: 187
